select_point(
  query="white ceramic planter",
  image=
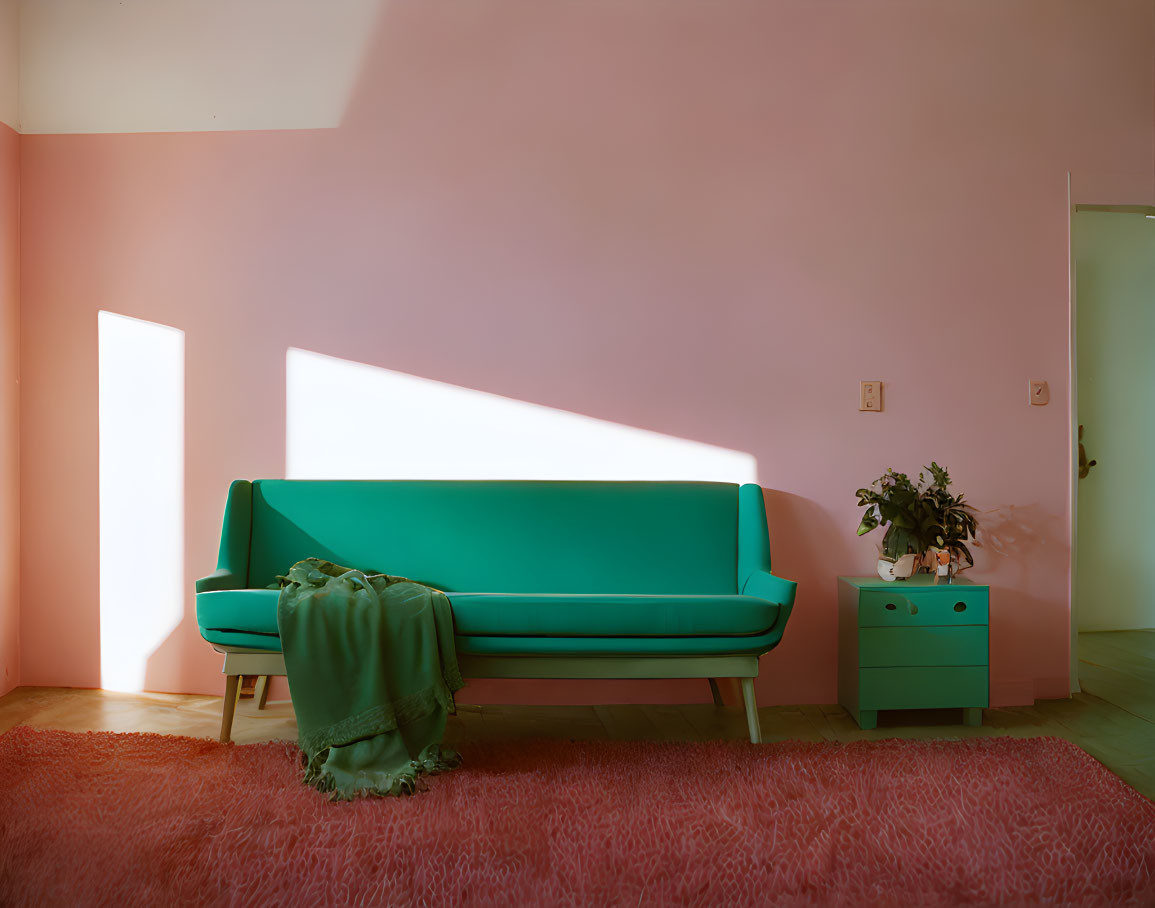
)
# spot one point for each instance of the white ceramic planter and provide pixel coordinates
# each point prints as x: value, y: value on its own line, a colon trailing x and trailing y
x: 897, y: 570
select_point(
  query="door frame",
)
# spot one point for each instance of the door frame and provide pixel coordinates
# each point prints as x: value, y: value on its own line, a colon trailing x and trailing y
x: 1073, y: 453
x: 1073, y: 398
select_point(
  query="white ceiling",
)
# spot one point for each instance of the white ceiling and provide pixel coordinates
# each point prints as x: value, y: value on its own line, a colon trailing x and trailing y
x: 92, y: 66
x: 9, y: 63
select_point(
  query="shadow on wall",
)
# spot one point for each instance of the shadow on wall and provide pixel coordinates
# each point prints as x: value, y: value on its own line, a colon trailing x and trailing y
x: 1013, y: 539
x: 807, y: 546
x: 1018, y: 532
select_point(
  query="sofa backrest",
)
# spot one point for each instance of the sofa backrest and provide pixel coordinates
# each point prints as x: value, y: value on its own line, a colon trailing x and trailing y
x: 505, y: 536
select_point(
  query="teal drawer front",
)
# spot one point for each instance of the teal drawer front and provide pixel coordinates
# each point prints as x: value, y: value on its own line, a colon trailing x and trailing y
x: 923, y: 688
x: 918, y: 607
x: 922, y: 646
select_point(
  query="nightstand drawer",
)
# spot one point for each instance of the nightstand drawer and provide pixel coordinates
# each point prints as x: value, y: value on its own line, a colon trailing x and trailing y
x: 923, y: 688
x: 914, y: 646
x: 921, y: 606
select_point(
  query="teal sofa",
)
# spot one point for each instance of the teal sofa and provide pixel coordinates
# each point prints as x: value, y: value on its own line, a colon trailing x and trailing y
x: 546, y: 579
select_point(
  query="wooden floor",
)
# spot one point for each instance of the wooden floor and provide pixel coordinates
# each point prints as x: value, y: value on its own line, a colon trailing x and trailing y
x: 1113, y: 719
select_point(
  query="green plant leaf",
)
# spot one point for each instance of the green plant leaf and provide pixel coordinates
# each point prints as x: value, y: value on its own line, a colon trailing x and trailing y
x: 918, y: 514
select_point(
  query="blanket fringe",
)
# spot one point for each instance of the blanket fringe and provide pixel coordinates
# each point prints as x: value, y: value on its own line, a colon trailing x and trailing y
x: 399, y: 784
x: 378, y: 720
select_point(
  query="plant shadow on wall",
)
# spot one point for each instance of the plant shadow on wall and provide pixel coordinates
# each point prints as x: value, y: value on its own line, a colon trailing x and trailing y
x: 1019, y: 534
x: 1016, y: 539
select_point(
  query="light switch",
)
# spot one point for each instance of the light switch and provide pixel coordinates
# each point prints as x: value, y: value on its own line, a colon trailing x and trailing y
x: 1040, y: 393
x: 870, y: 396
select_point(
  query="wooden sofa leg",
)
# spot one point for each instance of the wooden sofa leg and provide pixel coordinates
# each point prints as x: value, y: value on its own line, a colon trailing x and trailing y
x: 261, y: 694
x: 232, y: 693
x: 715, y: 693
x: 751, y: 711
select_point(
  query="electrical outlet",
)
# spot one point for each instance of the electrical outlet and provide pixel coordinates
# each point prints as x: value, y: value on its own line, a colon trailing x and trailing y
x: 870, y: 396
x: 1040, y: 393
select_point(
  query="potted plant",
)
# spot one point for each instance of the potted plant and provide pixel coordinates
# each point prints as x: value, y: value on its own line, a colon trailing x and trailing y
x: 922, y: 519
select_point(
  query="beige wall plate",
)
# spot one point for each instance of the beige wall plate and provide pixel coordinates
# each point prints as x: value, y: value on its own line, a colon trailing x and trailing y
x: 870, y: 396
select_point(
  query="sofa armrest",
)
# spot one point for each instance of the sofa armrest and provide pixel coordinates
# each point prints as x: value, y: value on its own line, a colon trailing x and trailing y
x: 232, y: 571
x: 220, y: 579
x: 765, y: 585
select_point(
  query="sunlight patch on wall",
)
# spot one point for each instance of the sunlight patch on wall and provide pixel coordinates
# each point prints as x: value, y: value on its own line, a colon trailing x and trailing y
x: 141, y: 396
x: 348, y: 420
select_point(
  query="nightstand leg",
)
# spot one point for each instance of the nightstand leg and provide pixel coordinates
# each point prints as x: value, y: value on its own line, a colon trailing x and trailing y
x: 973, y: 716
x: 867, y: 718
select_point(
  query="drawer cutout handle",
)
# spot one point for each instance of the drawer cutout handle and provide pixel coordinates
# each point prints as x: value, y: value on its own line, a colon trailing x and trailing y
x: 890, y: 606
x: 960, y: 606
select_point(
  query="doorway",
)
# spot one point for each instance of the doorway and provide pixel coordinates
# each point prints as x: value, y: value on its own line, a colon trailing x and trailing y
x: 1113, y: 251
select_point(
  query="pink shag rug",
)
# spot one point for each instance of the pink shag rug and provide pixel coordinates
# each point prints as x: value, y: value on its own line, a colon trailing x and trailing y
x: 118, y: 819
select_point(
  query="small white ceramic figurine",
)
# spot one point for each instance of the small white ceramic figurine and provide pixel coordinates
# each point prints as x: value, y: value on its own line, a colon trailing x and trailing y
x: 897, y: 570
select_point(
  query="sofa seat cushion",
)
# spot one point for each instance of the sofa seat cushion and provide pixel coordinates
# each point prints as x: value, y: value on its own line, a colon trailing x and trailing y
x: 606, y: 615
x: 554, y: 646
x: 254, y: 612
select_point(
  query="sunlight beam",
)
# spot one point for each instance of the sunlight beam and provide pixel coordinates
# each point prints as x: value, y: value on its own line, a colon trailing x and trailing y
x: 141, y: 400
x: 348, y: 420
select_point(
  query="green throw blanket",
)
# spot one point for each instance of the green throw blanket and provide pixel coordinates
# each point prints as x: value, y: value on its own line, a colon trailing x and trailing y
x: 372, y: 670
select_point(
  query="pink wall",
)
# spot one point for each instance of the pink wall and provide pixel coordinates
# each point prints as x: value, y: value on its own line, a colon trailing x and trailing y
x: 9, y: 409
x: 705, y: 219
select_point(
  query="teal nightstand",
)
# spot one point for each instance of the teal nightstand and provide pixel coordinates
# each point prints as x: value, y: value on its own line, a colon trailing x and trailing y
x: 912, y: 645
